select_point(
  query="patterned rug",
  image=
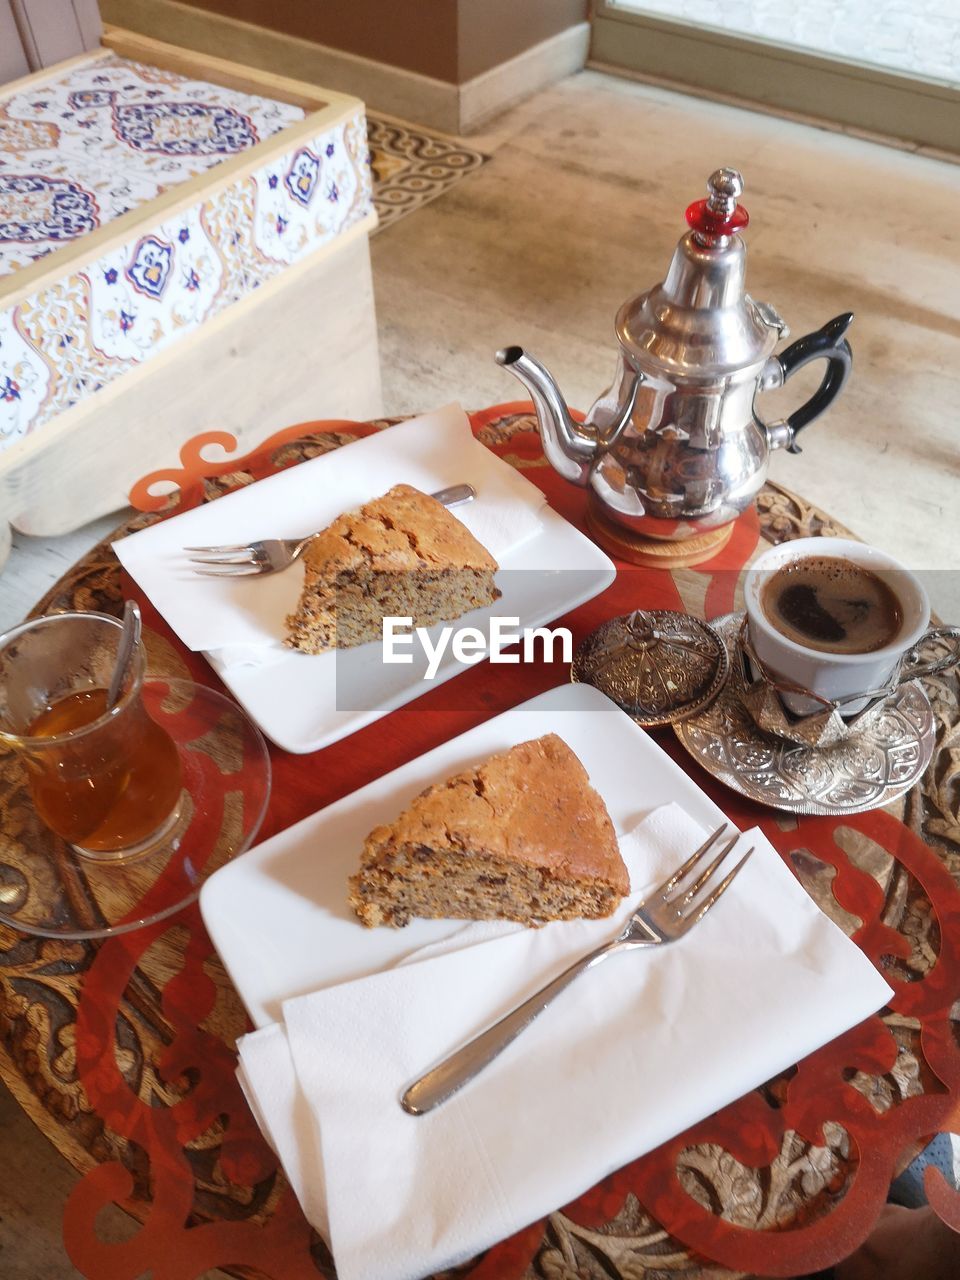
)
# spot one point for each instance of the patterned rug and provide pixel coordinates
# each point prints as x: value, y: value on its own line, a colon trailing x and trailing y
x: 412, y: 167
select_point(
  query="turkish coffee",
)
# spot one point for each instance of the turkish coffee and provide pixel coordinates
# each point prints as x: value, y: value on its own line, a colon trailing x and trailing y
x: 832, y: 605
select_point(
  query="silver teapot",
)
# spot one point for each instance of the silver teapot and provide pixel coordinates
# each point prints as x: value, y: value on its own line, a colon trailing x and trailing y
x: 675, y: 448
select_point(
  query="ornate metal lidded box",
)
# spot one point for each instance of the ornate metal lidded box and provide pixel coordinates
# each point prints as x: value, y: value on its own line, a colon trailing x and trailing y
x: 145, y: 193
x: 657, y: 665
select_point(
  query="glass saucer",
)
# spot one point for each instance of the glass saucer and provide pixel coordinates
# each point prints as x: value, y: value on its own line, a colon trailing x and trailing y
x: 48, y: 889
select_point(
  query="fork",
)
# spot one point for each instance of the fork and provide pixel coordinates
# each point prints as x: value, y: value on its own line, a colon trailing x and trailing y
x: 665, y: 915
x: 270, y: 555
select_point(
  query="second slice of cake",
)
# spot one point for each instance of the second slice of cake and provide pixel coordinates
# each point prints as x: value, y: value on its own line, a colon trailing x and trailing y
x: 523, y: 836
x: 401, y: 555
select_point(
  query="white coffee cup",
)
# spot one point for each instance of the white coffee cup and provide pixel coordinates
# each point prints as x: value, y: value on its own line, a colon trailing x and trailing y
x: 850, y: 679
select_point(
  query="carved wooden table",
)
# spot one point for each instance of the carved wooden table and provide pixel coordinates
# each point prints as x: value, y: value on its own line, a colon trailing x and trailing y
x: 122, y: 1050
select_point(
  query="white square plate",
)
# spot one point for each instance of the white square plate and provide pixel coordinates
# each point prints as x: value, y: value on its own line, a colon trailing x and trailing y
x: 279, y: 916
x: 302, y: 702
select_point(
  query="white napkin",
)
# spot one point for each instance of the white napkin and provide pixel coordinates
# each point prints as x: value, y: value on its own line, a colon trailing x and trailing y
x: 243, y: 619
x: 631, y: 1054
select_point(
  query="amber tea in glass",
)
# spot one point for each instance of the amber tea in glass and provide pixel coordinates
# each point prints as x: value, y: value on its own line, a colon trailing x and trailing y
x: 105, y: 779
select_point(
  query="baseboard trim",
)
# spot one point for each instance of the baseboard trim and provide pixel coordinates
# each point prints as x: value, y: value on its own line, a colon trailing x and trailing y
x: 383, y: 88
x: 553, y: 59
x: 387, y: 90
x: 852, y: 96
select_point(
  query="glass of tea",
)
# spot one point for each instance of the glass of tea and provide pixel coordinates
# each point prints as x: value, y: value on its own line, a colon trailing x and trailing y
x: 105, y: 779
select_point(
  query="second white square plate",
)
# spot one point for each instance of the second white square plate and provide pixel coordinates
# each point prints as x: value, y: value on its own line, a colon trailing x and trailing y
x: 302, y: 702
x: 279, y: 915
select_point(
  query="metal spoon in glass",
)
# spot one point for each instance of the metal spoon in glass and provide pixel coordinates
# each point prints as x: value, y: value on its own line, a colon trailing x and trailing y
x: 129, y: 640
x: 270, y: 555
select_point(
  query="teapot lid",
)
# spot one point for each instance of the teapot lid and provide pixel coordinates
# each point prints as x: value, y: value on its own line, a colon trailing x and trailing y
x: 699, y: 322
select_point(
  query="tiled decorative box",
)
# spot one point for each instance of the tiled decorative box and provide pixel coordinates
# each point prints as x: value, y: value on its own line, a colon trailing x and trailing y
x: 183, y: 246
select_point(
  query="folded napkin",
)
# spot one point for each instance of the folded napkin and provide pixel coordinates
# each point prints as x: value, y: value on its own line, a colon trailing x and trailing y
x: 631, y: 1054
x: 243, y: 618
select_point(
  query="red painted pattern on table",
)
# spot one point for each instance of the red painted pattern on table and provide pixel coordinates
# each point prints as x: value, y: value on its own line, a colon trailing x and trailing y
x: 282, y: 1245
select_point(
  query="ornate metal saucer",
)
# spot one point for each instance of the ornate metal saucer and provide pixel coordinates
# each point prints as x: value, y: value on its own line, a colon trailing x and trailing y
x: 657, y: 665
x: 864, y: 770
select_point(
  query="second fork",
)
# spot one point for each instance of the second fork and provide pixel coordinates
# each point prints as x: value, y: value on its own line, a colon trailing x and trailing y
x: 665, y: 915
x: 271, y: 555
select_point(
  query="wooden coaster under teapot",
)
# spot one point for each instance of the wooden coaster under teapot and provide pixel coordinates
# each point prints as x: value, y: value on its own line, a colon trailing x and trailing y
x: 653, y: 553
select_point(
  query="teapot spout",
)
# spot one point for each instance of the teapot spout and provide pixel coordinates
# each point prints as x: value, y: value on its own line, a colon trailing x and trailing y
x: 570, y: 447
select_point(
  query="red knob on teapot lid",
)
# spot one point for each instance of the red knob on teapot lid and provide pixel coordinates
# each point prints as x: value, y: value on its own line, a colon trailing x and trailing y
x: 719, y: 215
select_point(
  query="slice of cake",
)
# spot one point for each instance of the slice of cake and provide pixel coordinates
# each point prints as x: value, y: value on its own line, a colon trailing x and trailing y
x: 523, y: 837
x: 401, y: 555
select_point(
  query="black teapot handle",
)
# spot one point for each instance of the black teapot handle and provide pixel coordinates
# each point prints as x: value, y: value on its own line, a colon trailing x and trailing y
x: 827, y: 344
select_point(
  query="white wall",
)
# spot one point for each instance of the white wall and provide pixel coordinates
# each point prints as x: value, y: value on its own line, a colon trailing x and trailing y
x: 916, y: 37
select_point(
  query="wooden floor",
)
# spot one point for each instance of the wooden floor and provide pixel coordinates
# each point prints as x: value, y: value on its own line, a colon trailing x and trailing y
x: 579, y: 208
